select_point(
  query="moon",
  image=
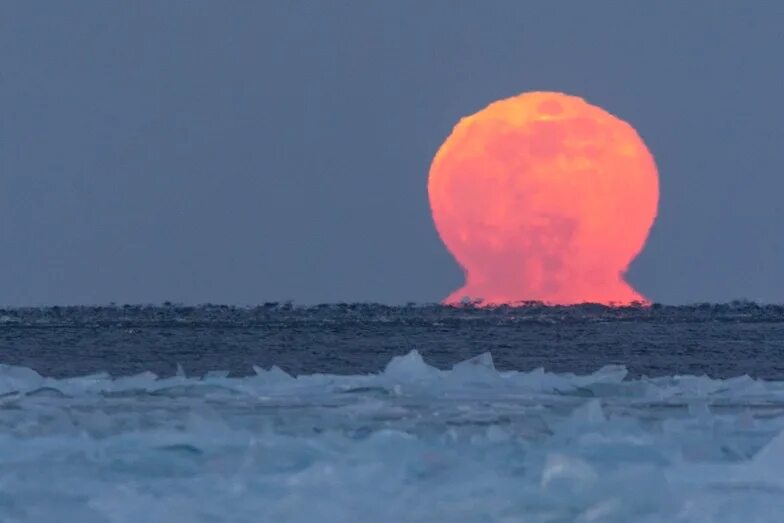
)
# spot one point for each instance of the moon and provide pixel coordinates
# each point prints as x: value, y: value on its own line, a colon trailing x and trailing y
x: 544, y: 197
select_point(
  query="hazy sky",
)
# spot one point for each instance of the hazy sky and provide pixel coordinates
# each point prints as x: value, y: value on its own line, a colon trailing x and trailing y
x: 243, y: 152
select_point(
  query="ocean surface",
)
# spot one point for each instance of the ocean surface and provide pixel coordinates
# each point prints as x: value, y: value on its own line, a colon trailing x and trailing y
x: 368, y: 413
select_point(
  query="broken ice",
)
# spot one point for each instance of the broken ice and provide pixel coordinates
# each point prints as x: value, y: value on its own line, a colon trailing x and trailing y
x: 410, y: 443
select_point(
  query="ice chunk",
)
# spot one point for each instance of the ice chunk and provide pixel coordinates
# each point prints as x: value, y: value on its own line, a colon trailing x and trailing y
x: 588, y: 414
x: 479, y: 369
x: 563, y: 469
x: 275, y: 375
x: 410, y: 367
x: 482, y: 362
x: 14, y: 378
x: 767, y: 465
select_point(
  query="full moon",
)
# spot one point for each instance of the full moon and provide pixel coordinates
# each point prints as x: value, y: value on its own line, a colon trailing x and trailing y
x: 544, y: 197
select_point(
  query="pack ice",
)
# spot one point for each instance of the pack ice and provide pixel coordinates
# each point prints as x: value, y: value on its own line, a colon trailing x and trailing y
x: 411, y: 443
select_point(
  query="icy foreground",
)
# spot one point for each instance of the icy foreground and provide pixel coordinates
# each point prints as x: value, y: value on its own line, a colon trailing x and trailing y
x: 409, y: 444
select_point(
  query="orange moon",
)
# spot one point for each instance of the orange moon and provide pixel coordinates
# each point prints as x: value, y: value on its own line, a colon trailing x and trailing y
x: 544, y: 197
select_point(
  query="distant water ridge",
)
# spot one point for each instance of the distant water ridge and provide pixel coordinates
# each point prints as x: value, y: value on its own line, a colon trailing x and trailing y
x: 720, y: 340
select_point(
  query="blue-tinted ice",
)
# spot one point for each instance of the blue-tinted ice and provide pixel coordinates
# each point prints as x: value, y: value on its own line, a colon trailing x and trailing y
x: 411, y: 443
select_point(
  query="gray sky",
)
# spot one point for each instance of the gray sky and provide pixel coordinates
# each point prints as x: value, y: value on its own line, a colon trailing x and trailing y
x: 243, y: 152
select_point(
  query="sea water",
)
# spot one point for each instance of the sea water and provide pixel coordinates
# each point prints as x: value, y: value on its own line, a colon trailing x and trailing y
x: 420, y: 438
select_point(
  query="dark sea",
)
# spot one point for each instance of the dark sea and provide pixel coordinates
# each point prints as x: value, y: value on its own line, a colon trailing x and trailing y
x: 717, y: 340
x: 371, y: 413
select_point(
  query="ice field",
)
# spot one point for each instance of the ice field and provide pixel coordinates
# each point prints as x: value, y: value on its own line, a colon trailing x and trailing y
x: 409, y: 443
